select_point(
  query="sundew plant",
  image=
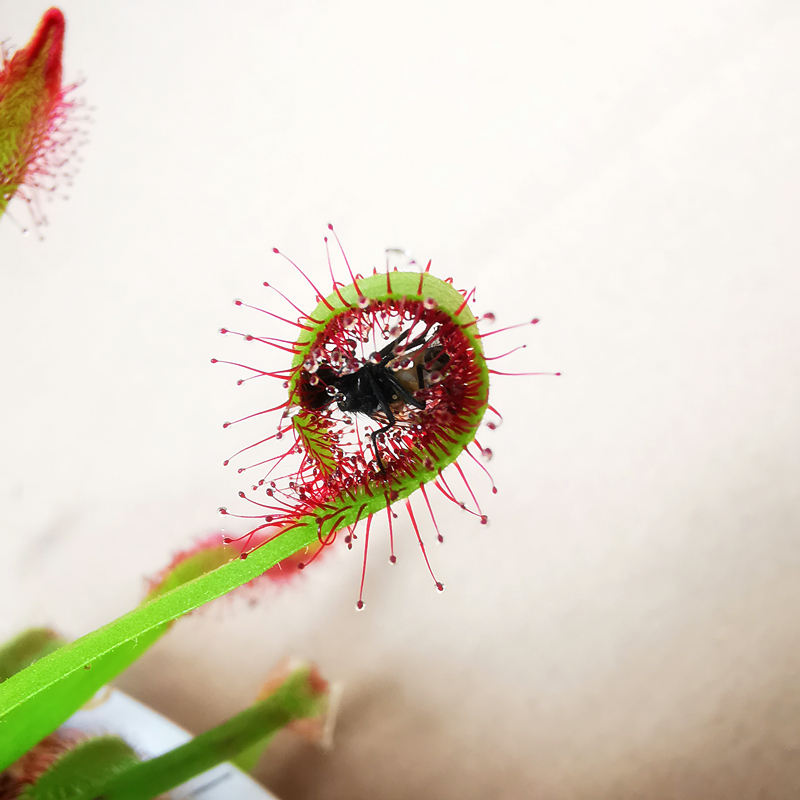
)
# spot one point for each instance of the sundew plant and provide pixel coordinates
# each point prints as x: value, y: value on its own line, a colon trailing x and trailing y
x: 380, y: 388
x: 399, y: 352
x: 386, y: 387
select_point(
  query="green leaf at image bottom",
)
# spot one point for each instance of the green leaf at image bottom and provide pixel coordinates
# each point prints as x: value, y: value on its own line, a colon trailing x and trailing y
x: 121, y: 777
x: 34, y: 702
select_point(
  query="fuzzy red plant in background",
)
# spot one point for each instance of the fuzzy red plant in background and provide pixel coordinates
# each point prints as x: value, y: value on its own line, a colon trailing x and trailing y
x: 35, y: 136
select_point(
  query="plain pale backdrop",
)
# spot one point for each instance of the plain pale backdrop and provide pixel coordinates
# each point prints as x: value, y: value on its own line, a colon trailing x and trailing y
x: 627, y: 625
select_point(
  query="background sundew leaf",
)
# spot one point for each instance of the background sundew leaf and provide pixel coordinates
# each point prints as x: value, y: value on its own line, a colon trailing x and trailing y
x: 26, y: 648
x: 192, y: 566
x: 88, y: 764
x: 30, y: 96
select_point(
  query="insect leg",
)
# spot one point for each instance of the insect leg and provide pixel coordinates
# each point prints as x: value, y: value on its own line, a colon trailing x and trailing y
x: 384, y: 406
x: 387, y: 353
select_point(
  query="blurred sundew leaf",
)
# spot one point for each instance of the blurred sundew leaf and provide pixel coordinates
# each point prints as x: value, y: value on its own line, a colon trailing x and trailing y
x: 316, y: 728
x: 88, y: 764
x: 125, y: 778
x: 35, y: 701
x: 35, y: 140
x: 190, y: 567
x: 248, y: 759
x: 26, y: 648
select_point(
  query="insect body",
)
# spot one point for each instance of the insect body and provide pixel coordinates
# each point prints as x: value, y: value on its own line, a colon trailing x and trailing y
x: 422, y: 368
x: 386, y: 383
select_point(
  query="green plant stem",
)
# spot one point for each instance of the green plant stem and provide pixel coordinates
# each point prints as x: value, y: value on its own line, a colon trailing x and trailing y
x: 296, y: 698
x: 34, y: 702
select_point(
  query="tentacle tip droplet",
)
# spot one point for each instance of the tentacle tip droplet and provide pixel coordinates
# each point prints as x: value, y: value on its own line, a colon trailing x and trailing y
x: 225, y: 463
x: 484, y: 519
x: 439, y: 586
x: 392, y: 559
x: 275, y: 250
x: 222, y: 511
x: 360, y: 605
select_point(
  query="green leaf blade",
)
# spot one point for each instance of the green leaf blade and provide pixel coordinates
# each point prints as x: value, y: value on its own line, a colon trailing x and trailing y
x: 34, y: 702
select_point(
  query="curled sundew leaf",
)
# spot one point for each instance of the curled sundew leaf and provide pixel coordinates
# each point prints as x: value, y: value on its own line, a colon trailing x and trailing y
x: 400, y: 351
x: 410, y: 304
x: 35, y: 137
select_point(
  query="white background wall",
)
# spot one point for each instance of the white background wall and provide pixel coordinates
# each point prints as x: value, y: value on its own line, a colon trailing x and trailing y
x: 627, y: 626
